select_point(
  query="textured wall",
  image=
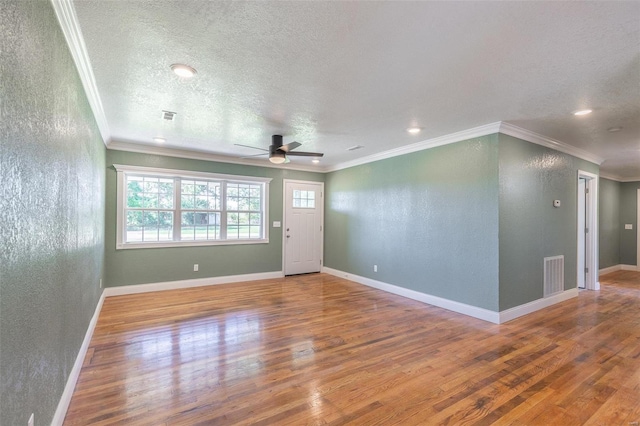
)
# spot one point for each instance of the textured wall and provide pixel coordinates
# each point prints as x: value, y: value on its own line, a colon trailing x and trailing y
x: 609, y: 223
x: 531, y: 177
x: 628, y: 214
x: 52, y: 215
x: 141, y: 266
x: 429, y: 220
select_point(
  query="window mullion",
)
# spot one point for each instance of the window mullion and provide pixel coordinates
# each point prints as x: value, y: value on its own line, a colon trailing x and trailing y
x: 177, y: 211
x: 223, y: 210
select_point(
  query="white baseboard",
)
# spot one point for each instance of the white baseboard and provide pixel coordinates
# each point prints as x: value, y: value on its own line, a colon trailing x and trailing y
x: 451, y: 305
x: 619, y: 267
x: 198, y: 282
x: 461, y: 308
x: 65, y: 399
x: 610, y: 269
x: 536, y: 305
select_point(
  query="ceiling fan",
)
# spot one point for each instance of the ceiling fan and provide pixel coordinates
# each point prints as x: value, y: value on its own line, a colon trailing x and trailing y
x: 278, y: 153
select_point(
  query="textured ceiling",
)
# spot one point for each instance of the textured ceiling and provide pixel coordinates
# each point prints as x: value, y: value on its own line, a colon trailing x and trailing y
x: 332, y: 75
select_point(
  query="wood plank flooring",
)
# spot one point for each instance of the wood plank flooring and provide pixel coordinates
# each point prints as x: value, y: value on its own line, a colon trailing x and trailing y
x: 317, y: 349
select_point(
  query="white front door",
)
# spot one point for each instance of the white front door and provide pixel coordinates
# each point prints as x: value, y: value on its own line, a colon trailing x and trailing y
x: 303, y: 221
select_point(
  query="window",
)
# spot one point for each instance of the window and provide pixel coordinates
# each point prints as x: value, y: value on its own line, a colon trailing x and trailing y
x: 304, y: 199
x: 168, y: 208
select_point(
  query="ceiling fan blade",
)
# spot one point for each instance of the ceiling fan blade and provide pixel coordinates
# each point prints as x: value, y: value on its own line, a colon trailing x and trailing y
x: 290, y: 146
x: 249, y: 146
x: 306, y: 154
x: 255, y: 155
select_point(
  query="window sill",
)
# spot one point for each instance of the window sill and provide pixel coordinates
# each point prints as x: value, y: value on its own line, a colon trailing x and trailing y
x: 171, y: 244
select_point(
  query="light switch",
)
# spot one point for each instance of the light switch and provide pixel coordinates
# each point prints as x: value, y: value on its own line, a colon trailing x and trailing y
x: 628, y: 226
x: 276, y: 224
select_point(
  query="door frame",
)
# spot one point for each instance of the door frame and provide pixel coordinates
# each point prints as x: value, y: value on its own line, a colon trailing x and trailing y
x: 591, y: 239
x: 582, y: 215
x: 284, y: 218
x: 638, y: 231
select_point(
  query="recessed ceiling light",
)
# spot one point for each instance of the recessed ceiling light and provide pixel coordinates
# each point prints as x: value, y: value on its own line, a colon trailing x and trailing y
x: 183, y: 70
x: 414, y: 130
x: 315, y: 160
x: 159, y: 140
x: 583, y: 112
x: 614, y: 129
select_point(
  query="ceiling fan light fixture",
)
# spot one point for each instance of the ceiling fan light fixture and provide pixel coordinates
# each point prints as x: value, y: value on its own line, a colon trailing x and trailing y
x: 315, y: 161
x: 277, y: 158
x: 184, y: 71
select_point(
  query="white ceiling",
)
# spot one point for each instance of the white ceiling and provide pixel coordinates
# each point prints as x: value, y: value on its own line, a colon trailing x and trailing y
x: 332, y: 75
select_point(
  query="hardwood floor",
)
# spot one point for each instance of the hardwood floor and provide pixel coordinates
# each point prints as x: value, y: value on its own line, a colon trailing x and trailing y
x: 317, y: 349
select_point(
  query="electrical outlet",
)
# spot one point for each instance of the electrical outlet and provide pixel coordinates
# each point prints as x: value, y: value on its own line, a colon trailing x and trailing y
x: 375, y: 268
x: 31, y: 420
x: 195, y: 267
x: 628, y: 226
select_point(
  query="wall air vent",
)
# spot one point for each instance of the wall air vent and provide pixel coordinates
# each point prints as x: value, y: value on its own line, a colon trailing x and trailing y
x: 168, y: 115
x: 355, y: 147
x: 553, y: 275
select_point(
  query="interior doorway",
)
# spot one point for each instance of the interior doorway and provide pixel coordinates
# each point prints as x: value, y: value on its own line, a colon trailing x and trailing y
x: 587, y: 231
x: 583, y: 194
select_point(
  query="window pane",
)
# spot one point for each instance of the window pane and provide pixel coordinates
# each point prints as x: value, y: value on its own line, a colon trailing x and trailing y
x: 165, y: 201
x: 255, y: 219
x: 304, y: 199
x: 200, y: 226
x: 187, y: 233
x: 232, y: 203
x: 243, y: 204
x: 150, y: 185
x: 165, y: 226
x: 134, y: 226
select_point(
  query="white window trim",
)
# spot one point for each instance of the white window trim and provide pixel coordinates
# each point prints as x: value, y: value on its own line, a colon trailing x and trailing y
x: 122, y: 170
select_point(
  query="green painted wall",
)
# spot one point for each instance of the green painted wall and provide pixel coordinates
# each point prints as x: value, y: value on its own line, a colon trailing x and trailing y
x: 609, y: 223
x: 628, y: 214
x: 428, y: 219
x: 469, y: 222
x: 52, y: 215
x: 531, y: 177
x: 142, y: 266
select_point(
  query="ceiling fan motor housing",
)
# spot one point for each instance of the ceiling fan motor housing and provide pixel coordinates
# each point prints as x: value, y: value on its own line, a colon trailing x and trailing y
x: 276, y: 141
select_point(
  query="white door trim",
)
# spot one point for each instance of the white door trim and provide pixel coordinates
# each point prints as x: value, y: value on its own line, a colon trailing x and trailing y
x: 591, y: 239
x: 582, y: 215
x: 284, y: 217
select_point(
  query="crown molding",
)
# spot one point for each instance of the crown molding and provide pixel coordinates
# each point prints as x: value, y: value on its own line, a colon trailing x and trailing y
x: 66, y: 14
x: 620, y: 179
x: 487, y: 129
x: 201, y: 155
x: 610, y: 177
x: 529, y: 136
